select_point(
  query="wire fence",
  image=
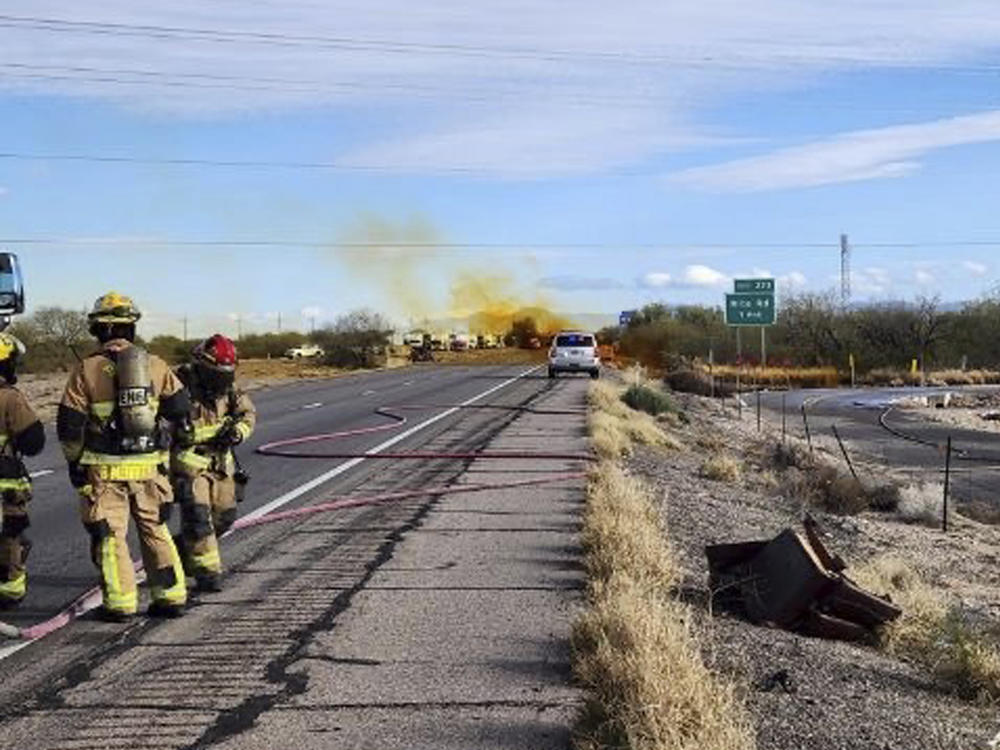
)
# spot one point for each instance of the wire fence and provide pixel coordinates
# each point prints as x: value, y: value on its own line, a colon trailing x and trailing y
x: 941, y: 467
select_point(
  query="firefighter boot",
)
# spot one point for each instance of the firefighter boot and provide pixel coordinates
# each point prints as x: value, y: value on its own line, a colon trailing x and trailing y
x: 14, y: 547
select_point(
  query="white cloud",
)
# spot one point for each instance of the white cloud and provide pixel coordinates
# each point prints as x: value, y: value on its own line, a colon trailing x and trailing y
x: 793, y: 280
x: 923, y: 277
x: 857, y: 155
x: 975, y: 267
x: 872, y: 281
x: 656, y: 279
x: 312, y: 312
x: 703, y: 276
x: 487, y: 86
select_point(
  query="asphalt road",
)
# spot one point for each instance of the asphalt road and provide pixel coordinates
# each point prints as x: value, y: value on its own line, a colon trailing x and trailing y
x: 910, y: 447
x: 59, y: 565
x: 440, y: 621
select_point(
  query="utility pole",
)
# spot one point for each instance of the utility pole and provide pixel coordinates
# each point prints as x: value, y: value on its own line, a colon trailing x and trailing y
x: 185, y: 327
x: 239, y: 327
x: 279, y: 321
x: 845, y: 272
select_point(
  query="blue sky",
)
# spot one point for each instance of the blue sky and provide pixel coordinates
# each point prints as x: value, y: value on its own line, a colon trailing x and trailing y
x: 586, y: 155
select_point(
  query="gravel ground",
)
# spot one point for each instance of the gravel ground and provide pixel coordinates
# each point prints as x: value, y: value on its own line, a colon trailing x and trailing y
x: 837, y: 696
x: 965, y: 410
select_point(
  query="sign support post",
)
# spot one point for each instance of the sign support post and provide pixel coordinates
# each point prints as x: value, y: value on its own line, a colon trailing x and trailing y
x: 751, y: 304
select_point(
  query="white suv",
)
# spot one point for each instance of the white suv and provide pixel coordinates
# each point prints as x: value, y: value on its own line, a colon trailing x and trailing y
x: 304, y: 351
x: 574, y: 351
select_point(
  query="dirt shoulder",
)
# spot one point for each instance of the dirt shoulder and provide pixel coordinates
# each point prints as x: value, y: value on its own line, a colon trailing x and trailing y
x: 836, y: 695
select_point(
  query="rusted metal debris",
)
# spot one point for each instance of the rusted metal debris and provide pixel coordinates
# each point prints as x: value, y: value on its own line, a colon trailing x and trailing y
x: 793, y: 582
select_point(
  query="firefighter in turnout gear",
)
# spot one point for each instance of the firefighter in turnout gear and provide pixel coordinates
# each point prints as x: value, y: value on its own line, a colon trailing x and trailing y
x: 21, y: 434
x: 206, y: 477
x: 110, y: 424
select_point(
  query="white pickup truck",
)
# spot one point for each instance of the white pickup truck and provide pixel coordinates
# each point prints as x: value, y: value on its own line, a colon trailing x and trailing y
x: 304, y: 351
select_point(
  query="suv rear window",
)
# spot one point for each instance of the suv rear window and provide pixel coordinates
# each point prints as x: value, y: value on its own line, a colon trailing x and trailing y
x: 574, y: 339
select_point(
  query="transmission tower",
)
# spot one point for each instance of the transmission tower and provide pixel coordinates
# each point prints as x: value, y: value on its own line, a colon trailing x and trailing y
x: 845, y: 272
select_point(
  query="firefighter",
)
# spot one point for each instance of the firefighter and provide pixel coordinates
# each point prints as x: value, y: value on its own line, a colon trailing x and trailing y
x: 206, y: 478
x: 110, y: 424
x: 21, y: 434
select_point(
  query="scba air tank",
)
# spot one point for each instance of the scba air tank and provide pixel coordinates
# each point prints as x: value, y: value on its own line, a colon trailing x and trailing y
x: 135, y: 403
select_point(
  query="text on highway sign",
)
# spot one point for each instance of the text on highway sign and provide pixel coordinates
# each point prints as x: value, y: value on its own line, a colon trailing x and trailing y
x: 750, y: 309
x: 759, y: 286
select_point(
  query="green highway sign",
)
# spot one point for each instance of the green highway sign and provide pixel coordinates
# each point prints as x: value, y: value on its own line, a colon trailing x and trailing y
x: 750, y: 309
x: 753, y: 286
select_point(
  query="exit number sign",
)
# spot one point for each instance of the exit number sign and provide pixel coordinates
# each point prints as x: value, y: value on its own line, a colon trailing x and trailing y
x: 754, y: 286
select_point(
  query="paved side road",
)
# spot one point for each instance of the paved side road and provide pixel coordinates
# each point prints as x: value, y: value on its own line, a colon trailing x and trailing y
x: 438, y: 624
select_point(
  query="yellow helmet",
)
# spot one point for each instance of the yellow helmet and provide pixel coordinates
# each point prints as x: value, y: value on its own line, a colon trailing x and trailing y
x: 10, y: 347
x: 114, y: 308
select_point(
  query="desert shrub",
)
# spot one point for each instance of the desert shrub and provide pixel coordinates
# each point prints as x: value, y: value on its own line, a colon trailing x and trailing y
x: 649, y: 400
x: 690, y: 381
x: 885, y: 497
x: 958, y: 649
x: 845, y: 495
x: 721, y: 468
x: 921, y: 503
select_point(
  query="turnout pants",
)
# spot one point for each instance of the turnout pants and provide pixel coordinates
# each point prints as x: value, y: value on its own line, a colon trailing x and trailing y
x: 105, y: 507
x: 14, y: 546
x: 208, y: 510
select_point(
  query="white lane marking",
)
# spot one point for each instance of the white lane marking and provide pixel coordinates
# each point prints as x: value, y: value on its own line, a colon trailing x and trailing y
x: 368, y: 393
x: 350, y: 464
x: 408, y: 382
x: 41, y: 473
x: 302, y: 489
x: 314, y: 405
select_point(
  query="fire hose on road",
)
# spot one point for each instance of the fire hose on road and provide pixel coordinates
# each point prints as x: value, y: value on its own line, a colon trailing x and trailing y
x: 293, y: 448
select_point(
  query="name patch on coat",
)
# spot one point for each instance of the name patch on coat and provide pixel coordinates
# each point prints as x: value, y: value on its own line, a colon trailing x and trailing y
x: 133, y: 397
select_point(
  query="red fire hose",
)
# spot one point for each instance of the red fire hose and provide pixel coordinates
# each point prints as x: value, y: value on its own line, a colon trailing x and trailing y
x: 285, y: 449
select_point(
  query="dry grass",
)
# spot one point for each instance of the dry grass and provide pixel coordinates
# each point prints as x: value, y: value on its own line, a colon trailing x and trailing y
x: 614, y: 427
x: 959, y: 651
x: 622, y: 532
x: 648, y: 687
x: 722, y: 468
x: 635, y: 649
x: 901, y: 377
x: 781, y: 377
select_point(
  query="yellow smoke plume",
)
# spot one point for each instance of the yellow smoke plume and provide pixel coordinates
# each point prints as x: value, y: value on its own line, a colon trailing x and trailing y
x: 420, y: 281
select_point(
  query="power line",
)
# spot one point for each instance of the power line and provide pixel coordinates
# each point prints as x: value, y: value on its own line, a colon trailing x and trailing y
x: 529, y: 245
x: 234, y: 163
x: 347, y: 43
x: 114, y: 76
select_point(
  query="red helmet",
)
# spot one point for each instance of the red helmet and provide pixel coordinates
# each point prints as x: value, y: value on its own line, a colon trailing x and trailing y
x: 215, y: 362
x: 218, y: 352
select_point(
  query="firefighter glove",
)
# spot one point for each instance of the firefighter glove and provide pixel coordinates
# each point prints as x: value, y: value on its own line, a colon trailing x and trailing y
x: 184, y: 432
x: 77, y: 475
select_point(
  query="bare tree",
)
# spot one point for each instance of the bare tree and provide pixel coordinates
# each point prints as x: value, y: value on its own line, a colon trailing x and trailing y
x: 927, y: 327
x: 61, y: 326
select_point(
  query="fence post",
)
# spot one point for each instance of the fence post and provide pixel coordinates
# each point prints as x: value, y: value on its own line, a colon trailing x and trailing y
x: 739, y: 397
x: 805, y: 421
x: 843, y: 449
x: 947, y: 480
x: 784, y: 420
